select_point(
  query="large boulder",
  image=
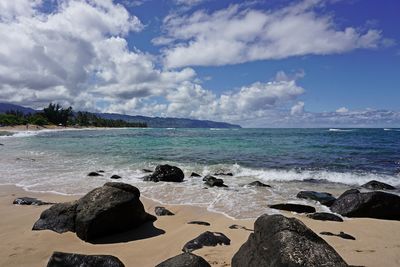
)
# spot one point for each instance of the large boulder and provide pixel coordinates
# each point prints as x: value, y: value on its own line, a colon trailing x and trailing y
x: 112, y: 208
x: 206, y: 239
x: 376, y: 185
x: 299, y: 208
x: 280, y: 241
x: 166, y: 173
x: 61, y: 259
x: 185, y: 260
x: 322, y: 197
x: 377, y: 204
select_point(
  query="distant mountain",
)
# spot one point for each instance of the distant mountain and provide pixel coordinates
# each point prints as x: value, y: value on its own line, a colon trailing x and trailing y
x: 4, y: 107
x: 154, y: 122
x: 158, y: 122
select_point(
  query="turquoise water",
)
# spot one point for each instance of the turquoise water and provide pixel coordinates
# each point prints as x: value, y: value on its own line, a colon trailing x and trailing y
x: 335, y: 159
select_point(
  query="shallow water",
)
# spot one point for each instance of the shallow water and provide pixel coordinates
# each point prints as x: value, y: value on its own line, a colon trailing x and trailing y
x: 336, y: 159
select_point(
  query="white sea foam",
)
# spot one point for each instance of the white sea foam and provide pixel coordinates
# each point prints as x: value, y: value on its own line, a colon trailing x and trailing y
x: 340, y: 130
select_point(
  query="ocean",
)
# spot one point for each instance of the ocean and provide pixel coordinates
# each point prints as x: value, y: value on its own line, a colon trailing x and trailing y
x: 289, y: 160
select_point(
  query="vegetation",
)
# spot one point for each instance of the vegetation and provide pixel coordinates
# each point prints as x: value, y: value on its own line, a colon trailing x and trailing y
x: 55, y: 114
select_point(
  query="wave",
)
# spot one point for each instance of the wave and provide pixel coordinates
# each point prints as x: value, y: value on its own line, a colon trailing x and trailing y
x: 393, y: 130
x: 340, y: 130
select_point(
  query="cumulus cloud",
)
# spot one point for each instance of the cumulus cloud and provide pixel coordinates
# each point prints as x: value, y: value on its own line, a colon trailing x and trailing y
x: 342, y: 110
x: 240, y: 34
x: 297, y: 109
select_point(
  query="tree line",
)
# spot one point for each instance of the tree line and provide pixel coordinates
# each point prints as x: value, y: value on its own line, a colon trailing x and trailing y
x: 55, y: 114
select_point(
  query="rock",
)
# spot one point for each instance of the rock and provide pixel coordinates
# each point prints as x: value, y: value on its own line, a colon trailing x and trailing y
x: 1, y: 144
x: 322, y: 197
x: 94, y: 174
x: 112, y: 208
x: 146, y: 170
x: 235, y: 226
x: 166, y: 173
x: 195, y: 175
x: 206, y: 239
x: 212, y: 181
x: 325, y: 216
x: 341, y: 234
x: 377, y: 204
x: 59, y: 218
x: 258, y: 184
x: 280, y: 241
x: 61, y: 259
x: 185, y: 260
x: 376, y: 185
x: 199, y: 223
x: 293, y: 207
x: 224, y: 173
x: 30, y: 201
x: 161, y: 211
x: 102, y: 171
x: 115, y: 177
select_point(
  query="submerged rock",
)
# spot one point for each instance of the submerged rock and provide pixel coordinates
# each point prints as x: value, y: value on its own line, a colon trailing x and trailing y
x: 299, y: 208
x: 94, y: 174
x: 112, y: 208
x: 146, y: 170
x: 61, y: 259
x: 213, y: 181
x: 30, y: 201
x: 224, y: 173
x: 193, y: 174
x: 258, y: 184
x: 341, y: 234
x: 322, y: 197
x: 207, y: 239
x: 325, y: 216
x: 376, y: 185
x: 185, y: 260
x: 161, y: 211
x: 166, y: 173
x: 377, y: 204
x: 115, y: 177
x: 199, y: 223
x: 280, y: 241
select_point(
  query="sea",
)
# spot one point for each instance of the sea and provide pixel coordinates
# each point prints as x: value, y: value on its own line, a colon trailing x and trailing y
x: 289, y: 160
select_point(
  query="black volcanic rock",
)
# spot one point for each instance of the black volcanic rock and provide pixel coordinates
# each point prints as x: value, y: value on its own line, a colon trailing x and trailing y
x: 30, y: 201
x: 166, y: 173
x: 115, y: 176
x: 199, y: 223
x: 299, y: 208
x: 224, y: 173
x: 112, y: 208
x: 236, y: 226
x: 185, y: 260
x: 281, y: 242
x: 341, y: 234
x: 213, y: 181
x: 94, y: 174
x: 258, y: 184
x: 322, y: 197
x: 376, y: 185
x: 146, y: 170
x: 377, y: 204
x: 193, y: 174
x: 207, y: 239
x: 61, y: 259
x: 325, y: 216
x: 161, y: 211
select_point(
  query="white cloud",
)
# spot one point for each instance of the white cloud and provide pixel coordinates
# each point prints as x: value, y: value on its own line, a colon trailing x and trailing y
x: 342, y: 110
x: 237, y: 34
x: 297, y: 109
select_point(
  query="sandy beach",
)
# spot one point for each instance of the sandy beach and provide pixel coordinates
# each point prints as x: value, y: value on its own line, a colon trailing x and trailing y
x: 377, y: 241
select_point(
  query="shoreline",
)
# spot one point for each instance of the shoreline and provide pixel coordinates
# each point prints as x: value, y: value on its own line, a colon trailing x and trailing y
x: 377, y: 241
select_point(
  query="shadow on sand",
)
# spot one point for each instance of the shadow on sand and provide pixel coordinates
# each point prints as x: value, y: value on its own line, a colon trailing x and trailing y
x: 147, y: 230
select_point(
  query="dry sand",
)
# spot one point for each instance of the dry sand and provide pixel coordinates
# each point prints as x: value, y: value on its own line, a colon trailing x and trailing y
x: 377, y: 244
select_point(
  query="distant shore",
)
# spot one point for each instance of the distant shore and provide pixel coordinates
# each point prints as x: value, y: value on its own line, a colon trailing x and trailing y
x: 376, y: 244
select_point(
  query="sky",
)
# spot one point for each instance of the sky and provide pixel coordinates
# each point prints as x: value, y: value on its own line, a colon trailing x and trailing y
x: 266, y: 63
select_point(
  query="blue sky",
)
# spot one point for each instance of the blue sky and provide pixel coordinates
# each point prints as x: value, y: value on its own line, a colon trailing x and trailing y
x: 305, y: 63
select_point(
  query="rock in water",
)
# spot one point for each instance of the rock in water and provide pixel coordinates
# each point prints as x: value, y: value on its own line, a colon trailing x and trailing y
x: 293, y: 207
x: 322, y: 197
x: 212, y: 181
x: 376, y: 185
x: 325, y: 216
x: 29, y: 201
x: 166, y: 173
x: 161, y: 211
x: 195, y: 175
x: 94, y: 174
x: 115, y: 177
x: 206, y: 239
x: 185, y: 260
x: 378, y: 205
x: 61, y: 259
x: 112, y: 208
x: 59, y: 218
x: 224, y: 173
x: 146, y: 170
x: 280, y: 241
x: 258, y: 184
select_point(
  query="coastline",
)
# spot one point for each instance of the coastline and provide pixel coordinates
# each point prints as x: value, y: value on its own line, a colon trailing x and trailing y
x: 377, y: 241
